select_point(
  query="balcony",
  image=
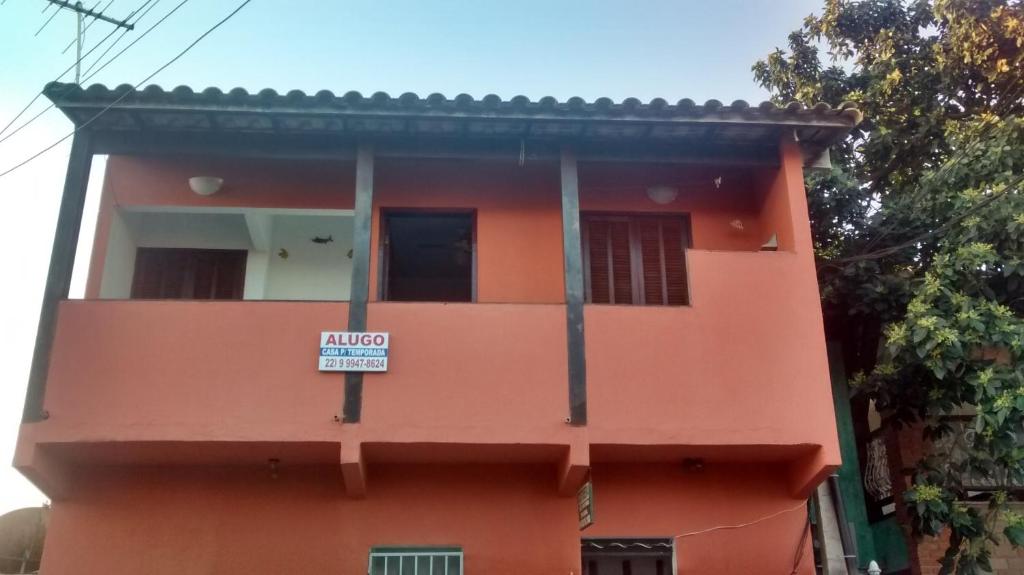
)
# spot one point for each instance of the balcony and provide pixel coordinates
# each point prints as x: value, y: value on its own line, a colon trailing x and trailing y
x: 738, y: 375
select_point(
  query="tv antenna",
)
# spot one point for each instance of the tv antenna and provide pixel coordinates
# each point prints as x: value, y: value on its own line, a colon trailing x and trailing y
x: 81, y: 13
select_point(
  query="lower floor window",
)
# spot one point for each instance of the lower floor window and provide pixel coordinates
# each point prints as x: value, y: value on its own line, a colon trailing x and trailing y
x: 415, y: 561
x: 619, y: 556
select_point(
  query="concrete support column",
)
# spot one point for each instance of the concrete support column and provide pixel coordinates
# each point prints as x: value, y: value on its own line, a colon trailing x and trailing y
x: 573, y: 265
x: 353, y: 407
x: 62, y: 264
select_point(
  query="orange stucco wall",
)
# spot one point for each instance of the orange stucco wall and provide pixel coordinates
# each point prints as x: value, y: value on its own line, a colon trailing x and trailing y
x: 518, y: 221
x: 745, y: 360
x: 723, y: 216
x: 744, y: 365
x: 518, y: 211
x: 162, y: 415
x: 725, y: 371
x: 505, y: 517
x: 138, y: 182
x: 143, y: 181
x: 666, y: 500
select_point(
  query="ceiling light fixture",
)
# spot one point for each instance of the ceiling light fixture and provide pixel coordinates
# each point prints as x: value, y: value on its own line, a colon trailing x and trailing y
x: 662, y: 194
x: 205, y: 185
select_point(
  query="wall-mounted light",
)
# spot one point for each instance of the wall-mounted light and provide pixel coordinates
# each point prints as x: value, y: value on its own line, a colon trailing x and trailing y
x: 693, y: 464
x: 662, y: 194
x: 205, y: 185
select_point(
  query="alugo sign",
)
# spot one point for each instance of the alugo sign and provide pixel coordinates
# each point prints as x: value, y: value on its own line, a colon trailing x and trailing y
x: 353, y: 351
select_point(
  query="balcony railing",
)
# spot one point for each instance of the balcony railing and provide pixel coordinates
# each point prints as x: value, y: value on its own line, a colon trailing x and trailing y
x: 741, y: 370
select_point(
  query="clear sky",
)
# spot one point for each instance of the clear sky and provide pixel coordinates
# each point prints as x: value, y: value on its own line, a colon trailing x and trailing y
x: 639, y: 48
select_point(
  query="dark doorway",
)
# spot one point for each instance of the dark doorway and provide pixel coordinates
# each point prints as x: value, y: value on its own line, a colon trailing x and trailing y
x: 175, y: 273
x: 621, y: 556
x: 428, y: 256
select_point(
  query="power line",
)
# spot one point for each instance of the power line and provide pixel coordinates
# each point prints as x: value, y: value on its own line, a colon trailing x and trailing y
x: 119, y: 38
x: 937, y: 232
x: 91, y: 13
x: 135, y: 41
x: 47, y: 23
x: 89, y: 25
x: 33, y: 101
x: 81, y: 13
x: 959, y: 156
x: 131, y: 91
x: 71, y: 67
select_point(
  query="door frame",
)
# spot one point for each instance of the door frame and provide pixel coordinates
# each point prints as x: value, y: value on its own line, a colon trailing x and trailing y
x: 384, y: 249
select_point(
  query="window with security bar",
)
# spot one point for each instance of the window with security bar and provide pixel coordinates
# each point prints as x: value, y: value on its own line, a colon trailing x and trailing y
x: 415, y: 561
x: 635, y: 259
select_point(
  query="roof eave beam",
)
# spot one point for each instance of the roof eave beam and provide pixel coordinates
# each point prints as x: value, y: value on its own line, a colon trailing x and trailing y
x: 335, y: 147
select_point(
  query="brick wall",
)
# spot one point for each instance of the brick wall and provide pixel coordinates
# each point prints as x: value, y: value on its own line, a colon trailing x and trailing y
x: 909, y: 447
x: 1005, y: 559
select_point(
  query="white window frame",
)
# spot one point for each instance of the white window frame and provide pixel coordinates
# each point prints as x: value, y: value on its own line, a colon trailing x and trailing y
x: 401, y: 554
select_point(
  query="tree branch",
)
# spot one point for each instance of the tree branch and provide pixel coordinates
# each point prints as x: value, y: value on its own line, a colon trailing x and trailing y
x: 885, y: 252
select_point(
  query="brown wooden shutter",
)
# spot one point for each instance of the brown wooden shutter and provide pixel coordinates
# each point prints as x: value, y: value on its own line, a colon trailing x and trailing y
x: 619, y: 245
x: 600, y: 273
x: 648, y: 232
x: 608, y: 248
x: 674, y: 238
x: 171, y: 273
x: 636, y: 260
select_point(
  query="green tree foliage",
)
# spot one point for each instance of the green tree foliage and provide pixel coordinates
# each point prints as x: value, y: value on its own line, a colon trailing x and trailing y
x: 919, y: 234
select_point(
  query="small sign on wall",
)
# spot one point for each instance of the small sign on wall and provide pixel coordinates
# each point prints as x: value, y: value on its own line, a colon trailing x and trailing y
x: 585, y: 505
x: 353, y: 351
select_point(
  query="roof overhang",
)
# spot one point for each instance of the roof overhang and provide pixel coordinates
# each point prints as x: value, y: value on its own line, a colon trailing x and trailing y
x: 154, y: 121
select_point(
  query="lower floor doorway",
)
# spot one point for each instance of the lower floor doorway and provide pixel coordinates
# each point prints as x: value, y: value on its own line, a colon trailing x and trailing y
x: 627, y: 556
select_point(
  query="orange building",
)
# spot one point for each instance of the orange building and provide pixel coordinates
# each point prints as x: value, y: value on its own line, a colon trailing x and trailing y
x: 604, y: 354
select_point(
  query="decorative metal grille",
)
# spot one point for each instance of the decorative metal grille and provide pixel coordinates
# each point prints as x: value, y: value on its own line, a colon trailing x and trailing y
x: 877, y: 481
x: 415, y: 561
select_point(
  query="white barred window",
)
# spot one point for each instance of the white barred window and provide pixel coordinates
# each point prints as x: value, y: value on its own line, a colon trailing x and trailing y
x: 415, y: 561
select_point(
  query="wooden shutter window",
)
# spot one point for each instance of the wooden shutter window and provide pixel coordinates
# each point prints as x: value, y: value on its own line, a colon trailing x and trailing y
x: 620, y: 248
x: 652, y: 259
x: 600, y: 278
x: 173, y: 273
x: 635, y: 260
x: 673, y: 238
x: 608, y: 247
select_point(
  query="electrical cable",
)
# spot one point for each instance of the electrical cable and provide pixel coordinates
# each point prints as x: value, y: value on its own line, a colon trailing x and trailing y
x: 62, y: 74
x: 136, y: 40
x: 50, y: 106
x: 127, y: 92
x: 119, y: 38
x: 48, y: 20
x: 937, y: 232
x: 89, y: 25
x: 960, y: 155
x: 739, y: 525
x: 800, y: 546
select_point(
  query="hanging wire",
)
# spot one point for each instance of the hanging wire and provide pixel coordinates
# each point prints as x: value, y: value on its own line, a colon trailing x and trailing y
x: 48, y: 20
x: 135, y: 41
x: 126, y: 93
x: 88, y: 25
x: 62, y: 74
x: 119, y: 38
